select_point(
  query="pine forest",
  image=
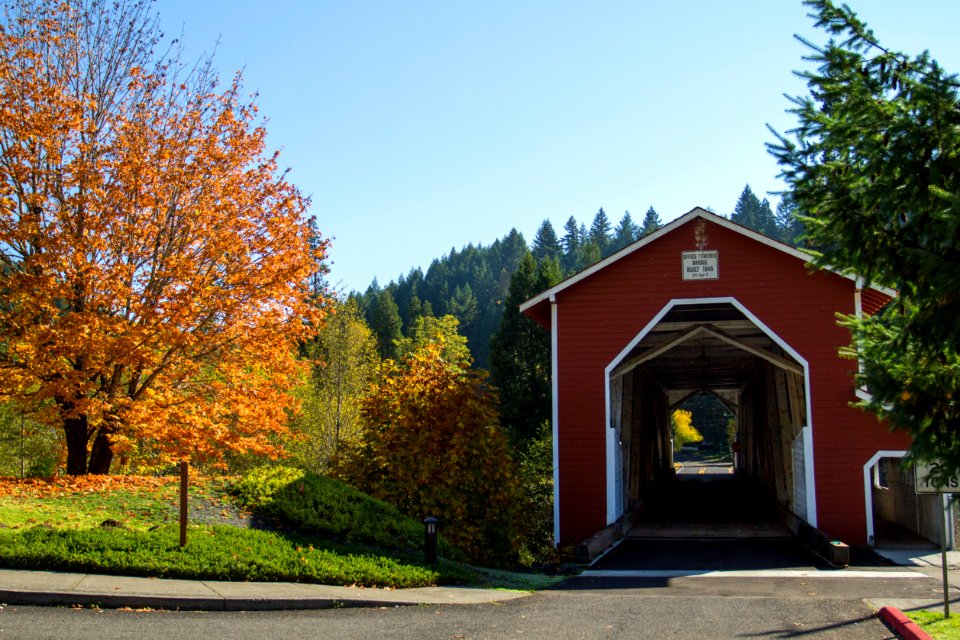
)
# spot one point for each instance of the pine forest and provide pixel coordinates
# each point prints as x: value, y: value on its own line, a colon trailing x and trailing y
x: 473, y: 284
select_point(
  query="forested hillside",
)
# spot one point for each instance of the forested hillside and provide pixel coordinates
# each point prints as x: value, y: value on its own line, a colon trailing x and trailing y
x: 472, y: 284
x: 469, y: 284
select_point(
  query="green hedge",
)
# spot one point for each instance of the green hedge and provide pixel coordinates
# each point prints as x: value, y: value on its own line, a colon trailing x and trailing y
x: 319, y: 505
x: 216, y: 552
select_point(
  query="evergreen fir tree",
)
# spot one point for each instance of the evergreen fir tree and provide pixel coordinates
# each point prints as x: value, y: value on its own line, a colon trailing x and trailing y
x: 571, y: 244
x: 789, y: 226
x: 489, y: 292
x: 367, y: 300
x: 404, y: 291
x: 600, y: 231
x: 436, y: 285
x: 463, y: 306
x: 513, y: 248
x: 386, y: 325
x: 755, y: 214
x: 747, y: 210
x: 625, y: 233
x: 588, y: 254
x: 873, y: 165
x: 767, y: 222
x: 651, y: 222
x: 546, y: 244
x: 318, y: 285
x: 520, y: 353
x: 414, y: 313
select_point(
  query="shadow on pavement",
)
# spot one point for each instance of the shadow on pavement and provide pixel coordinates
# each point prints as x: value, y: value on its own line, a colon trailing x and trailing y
x: 710, y: 555
x: 807, y: 631
x: 586, y: 583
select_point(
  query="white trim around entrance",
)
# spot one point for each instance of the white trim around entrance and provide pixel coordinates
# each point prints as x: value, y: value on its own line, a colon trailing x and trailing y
x: 868, y: 486
x: 614, y: 509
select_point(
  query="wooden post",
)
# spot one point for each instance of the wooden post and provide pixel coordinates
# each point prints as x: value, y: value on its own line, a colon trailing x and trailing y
x: 944, y: 523
x: 184, y: 485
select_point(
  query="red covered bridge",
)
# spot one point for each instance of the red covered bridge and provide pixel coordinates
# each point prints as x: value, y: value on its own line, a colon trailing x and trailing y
x: 706, y: 305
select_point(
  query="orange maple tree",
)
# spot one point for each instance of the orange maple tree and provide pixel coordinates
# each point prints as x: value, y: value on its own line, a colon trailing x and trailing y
x: 154, y: 262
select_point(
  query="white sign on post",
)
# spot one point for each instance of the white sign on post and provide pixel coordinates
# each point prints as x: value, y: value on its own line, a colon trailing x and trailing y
x: 925, y: 483
x: 700, y: 265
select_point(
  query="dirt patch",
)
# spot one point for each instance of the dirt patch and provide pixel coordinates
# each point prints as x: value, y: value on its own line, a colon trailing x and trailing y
x: 215, y: 506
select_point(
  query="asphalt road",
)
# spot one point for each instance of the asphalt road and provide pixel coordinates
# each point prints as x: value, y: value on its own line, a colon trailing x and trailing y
x: 694, y: 467
x: 624, y: 612
x: 827, y: 606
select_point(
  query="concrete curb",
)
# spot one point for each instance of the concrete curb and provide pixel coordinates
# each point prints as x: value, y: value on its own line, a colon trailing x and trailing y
x: 67, y: 589
x: 901, y: 625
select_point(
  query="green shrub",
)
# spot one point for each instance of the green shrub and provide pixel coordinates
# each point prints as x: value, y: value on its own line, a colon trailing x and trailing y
x: 27, y: 448
x: 536, y: 477
x: 43, y: 467
x: 323, y: 506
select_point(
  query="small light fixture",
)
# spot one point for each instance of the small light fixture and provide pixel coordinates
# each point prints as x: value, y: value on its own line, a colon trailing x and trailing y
x: 430, y: 540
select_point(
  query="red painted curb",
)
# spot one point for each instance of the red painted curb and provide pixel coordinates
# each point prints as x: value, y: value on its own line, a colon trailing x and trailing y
x: 902, y: 625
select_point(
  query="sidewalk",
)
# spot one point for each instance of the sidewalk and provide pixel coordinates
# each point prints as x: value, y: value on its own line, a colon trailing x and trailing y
x: 64, y: 589
x: 929, y: 563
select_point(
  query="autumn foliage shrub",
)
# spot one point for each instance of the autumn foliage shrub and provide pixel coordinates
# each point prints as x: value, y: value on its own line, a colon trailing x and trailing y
x: 683, y: 430
x: 432, y: 445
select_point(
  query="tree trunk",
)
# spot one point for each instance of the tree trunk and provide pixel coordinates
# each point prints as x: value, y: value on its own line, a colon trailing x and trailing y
x: 75, y: 430
x: 101, y: 453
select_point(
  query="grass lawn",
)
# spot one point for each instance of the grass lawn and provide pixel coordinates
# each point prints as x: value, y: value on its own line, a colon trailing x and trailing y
x: 136, y: 501
x: 934, y: 623
x: 318, y: 530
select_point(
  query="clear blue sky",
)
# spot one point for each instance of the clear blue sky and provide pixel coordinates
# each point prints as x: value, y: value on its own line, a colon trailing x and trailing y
x: 420, y: 126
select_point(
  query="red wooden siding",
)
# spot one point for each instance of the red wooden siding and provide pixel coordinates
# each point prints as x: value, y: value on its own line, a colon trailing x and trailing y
x: 873, y: 301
